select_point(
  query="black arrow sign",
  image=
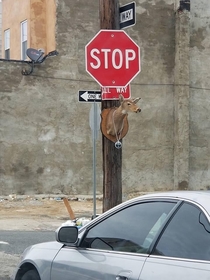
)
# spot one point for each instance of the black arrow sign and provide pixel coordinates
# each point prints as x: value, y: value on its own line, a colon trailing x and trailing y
x: 89, y: 96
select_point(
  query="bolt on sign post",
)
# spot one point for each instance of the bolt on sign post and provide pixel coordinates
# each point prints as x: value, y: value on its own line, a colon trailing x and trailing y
x: 112, y: 157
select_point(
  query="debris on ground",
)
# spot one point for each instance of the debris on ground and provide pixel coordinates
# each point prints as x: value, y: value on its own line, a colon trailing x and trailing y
x: 43, y: 211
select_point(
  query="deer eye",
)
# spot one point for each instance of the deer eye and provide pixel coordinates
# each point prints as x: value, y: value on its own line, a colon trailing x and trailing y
x: 129, y: 103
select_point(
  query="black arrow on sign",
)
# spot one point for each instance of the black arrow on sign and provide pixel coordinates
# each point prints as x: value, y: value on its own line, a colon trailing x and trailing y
x: 89, y: 96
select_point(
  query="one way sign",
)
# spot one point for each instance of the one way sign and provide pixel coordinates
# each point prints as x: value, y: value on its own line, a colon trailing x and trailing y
x: 128, y: 15
x: 89, y: 96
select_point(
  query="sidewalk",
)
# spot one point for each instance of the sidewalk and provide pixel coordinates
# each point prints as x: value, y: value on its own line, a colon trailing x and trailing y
x: 43, y: 212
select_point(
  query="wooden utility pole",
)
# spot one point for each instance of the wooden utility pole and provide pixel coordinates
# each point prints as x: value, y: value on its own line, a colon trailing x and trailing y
x: 112, y: 157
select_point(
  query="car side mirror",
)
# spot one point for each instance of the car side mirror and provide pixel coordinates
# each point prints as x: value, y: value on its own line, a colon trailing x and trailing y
x: 67, y: 234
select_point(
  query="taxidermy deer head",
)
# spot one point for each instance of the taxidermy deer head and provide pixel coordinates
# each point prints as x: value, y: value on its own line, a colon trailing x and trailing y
x: 115, y: 117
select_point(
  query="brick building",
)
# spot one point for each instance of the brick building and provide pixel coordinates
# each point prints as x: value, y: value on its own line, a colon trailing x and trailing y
x: 27, y: 24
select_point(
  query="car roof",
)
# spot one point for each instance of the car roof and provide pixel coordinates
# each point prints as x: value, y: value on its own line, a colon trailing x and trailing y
x: 199, y: 197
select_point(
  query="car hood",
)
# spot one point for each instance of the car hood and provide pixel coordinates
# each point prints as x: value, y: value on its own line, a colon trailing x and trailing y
x: 52, y: 245
x: 45, y: 251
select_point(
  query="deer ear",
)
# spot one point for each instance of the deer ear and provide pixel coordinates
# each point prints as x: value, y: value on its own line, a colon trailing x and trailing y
x: 136, y: 99
x: 121, y: 98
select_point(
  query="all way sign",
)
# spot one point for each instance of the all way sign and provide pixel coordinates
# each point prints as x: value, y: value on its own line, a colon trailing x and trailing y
x: 113, y: 93
x: 89, y: 96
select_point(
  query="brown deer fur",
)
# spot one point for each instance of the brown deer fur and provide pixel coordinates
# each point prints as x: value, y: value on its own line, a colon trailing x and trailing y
x: 115, y: 117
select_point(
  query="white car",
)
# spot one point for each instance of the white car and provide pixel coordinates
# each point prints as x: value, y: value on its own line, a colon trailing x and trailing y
x: 153, y: 237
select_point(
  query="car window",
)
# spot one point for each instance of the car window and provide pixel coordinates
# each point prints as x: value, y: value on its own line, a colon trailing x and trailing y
x: 131, y: 229
x: 186, y: 236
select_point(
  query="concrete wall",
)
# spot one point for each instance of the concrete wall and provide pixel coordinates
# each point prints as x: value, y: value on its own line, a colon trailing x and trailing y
x: 45, y: 136
x: 148, y: 158
x: 199, y: 95
x: 0, y: 28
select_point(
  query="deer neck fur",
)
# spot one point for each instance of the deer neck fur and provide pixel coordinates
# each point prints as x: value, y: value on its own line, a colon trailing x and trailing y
x: 115, y: 121
x: 119, y: 114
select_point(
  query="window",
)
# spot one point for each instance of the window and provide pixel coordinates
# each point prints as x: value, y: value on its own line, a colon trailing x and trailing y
x: 130, y: 230
x: 23, y: 39
x: 7, y: 44
x: 187, y: 235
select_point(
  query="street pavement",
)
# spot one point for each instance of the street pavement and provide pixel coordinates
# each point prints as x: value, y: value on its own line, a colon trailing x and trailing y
x: 13, y: 243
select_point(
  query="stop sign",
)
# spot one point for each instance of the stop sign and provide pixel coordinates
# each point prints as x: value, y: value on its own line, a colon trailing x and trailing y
x: 112, y: 58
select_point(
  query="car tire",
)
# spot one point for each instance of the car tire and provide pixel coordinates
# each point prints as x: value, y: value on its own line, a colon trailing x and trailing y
x: 31, y: 275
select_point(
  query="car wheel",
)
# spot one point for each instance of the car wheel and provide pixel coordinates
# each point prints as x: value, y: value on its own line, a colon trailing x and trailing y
x: 31, y: 275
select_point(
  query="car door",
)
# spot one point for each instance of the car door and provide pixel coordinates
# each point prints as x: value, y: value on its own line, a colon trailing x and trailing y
x: 183, y: 250
x: 115, y: 247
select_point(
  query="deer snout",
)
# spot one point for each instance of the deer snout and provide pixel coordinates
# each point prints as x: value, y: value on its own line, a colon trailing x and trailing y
x: 138, y: 110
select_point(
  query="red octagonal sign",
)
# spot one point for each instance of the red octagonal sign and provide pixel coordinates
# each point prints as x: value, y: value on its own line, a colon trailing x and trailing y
x: 112, y: 58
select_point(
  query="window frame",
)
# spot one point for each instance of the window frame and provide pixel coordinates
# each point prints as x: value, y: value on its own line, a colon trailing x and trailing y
x: 7, y: 43
x: 82, y: 238
x: 24, y: 38
x: 161, y: 235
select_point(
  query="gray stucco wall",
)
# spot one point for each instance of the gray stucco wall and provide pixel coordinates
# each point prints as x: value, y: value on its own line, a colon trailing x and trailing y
x: 45, y: 136
x: 148, y: 147
x: 199, y: 95
x: 0, y: 29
